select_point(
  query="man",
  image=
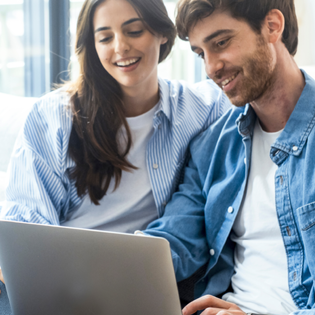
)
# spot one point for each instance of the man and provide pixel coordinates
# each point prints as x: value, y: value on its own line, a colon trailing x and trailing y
x: 246, y: 207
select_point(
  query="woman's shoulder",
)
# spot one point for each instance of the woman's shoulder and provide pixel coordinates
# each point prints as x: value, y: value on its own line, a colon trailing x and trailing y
x: 202, y: 93
x: 54, y: 107
x: 56, y: 100
x: 50, y: 118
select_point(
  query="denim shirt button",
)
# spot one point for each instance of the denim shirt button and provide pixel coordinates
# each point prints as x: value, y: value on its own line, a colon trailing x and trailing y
x: 244, y: 160
x: 212, y: 252
x: 294, y: 148
x: 230, y: 209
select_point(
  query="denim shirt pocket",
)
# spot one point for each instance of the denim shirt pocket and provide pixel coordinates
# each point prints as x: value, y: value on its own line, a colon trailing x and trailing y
x: 306, y: 220
x: 306, y: 217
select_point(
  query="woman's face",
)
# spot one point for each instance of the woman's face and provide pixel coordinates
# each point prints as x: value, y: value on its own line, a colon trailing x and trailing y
x: 126, y: 49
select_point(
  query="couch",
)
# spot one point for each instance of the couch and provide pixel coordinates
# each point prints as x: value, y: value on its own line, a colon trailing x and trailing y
x: 14, y: 110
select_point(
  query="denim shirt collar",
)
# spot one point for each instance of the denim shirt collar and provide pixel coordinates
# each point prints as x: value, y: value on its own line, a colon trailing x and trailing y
x: 294, y: 136
x: 246, y: 121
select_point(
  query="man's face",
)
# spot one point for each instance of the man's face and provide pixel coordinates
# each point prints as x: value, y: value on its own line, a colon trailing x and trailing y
x: 238, y: 59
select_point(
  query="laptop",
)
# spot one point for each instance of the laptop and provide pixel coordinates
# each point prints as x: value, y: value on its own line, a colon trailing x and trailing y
x: 52, y: 270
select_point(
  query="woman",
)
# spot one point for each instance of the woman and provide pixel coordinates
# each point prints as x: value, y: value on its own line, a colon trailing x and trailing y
x: 107, y: 150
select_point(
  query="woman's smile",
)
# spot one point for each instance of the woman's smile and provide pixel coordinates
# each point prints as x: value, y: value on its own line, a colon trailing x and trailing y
x: 129, y: 64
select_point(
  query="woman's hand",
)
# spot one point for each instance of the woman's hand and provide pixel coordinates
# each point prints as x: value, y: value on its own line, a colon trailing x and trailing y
x: 212, y: 306
x: 1, y: 277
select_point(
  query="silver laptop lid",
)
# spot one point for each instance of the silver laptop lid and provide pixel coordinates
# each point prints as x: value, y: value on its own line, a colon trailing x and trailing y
x: 56, y: 270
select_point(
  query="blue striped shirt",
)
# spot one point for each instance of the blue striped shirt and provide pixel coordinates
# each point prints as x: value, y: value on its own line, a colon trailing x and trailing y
x: 40, y: 189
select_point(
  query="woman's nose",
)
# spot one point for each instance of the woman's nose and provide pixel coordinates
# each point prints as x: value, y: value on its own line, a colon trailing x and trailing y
x: 121, y: 45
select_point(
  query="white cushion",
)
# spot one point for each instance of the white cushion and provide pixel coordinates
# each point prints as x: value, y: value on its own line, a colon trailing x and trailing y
x: 14, y: 110
x: 2, y: 185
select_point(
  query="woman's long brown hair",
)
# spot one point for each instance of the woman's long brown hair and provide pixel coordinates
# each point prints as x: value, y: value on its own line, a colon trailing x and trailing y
x: 97, y: 106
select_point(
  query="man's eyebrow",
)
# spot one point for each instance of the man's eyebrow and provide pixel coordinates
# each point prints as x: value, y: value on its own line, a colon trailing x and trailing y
x: 105, y: 28
x: 213, y: 35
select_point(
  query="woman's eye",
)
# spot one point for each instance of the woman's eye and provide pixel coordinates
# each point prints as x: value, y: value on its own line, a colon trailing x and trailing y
x: 105, y: 39
x: 135, y: 33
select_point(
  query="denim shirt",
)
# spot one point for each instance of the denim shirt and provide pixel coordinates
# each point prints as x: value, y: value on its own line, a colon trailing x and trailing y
x: 199, y: 218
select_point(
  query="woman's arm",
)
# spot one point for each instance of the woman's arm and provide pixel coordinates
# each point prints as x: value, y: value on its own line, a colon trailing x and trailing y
x: 39, y: 187
x: 1, y: 277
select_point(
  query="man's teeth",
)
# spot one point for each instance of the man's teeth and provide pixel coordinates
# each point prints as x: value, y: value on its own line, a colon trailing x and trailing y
x: 127, y: 62
x: 227, y: 81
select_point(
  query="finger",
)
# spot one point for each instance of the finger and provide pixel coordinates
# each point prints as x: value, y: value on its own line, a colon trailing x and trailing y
x: 205, y: 302
x: 215, y: 311
x: 220, y: 311
x: 1, y: 277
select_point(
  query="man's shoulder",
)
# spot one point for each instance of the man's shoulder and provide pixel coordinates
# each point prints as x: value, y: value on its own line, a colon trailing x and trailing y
x: 218, y: 146
x: 224, y: 127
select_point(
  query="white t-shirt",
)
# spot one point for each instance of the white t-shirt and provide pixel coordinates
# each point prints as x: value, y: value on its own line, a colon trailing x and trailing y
x: 131, y: 206
x: 260, y: 283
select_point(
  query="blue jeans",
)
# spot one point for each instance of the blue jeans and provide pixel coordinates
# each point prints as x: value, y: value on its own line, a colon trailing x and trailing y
x: 5, y: 308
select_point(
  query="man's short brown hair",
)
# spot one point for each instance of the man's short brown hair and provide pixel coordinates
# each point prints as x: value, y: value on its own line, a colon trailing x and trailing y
x: 189, y: 12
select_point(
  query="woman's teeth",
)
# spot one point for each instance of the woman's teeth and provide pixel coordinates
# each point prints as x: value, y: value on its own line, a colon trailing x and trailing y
x: 126, y: 63
x: 227, y: 81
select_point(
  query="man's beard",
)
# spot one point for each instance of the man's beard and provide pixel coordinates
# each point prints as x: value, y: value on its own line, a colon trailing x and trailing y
x: 257, y: 76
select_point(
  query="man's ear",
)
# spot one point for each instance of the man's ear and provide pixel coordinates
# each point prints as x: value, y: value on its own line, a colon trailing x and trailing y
x: 274, y: 25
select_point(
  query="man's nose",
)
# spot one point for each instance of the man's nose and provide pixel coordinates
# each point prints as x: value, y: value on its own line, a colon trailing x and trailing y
x: 213, y: 65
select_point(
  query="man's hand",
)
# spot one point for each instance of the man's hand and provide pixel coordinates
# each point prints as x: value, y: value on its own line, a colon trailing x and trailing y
x: 212, y: 306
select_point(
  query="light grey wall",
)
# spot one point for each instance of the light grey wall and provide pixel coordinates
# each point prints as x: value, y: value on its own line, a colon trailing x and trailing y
x: 305, y: 10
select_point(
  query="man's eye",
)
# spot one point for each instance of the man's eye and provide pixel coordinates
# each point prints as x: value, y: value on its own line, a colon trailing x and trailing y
x: 222, y: 42
x: 201, y: 55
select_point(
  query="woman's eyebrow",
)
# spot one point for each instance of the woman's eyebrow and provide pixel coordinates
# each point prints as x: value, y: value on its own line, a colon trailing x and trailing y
x: 131, y: 21
x: 105, y: 28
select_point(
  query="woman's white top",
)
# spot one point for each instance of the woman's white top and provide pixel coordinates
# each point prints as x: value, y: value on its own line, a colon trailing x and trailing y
x: 260, y: 283
x: 131, y: 206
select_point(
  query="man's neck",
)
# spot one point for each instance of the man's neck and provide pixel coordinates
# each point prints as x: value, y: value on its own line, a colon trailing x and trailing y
x: 275, y: 106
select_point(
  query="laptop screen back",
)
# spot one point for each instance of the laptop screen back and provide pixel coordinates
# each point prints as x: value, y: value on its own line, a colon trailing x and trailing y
x: 56, y: 270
